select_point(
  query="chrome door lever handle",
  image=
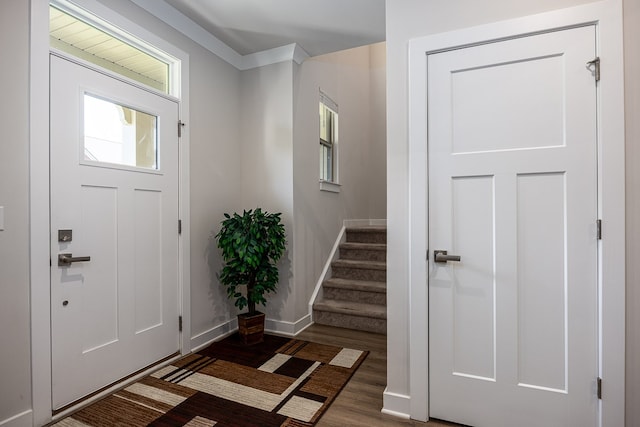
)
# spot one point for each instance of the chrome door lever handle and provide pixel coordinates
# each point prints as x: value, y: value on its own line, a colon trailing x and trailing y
x: 441, y: 256
x: 67, y: 259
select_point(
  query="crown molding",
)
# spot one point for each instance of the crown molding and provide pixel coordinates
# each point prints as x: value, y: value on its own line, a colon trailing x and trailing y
x: 290, y: 52
x: 189, y: 28
x: 299, y: 54
x: 185, y: 25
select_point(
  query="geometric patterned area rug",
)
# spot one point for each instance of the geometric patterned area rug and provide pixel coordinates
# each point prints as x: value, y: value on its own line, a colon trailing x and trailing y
x: 281, y: 382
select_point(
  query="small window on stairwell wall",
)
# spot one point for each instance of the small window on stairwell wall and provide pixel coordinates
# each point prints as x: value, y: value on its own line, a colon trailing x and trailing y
x: 328, y: 144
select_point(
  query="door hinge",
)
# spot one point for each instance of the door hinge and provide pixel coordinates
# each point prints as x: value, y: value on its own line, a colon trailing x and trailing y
x: 179, y: 323
x: 179, y: 226
x: 599, y: 387
x: 594, y: 66
x: 180, y: 126
x: 599, y: 229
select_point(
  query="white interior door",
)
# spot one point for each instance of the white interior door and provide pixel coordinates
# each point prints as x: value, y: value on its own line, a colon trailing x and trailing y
x: 512, y: 154
x: 114, y: 185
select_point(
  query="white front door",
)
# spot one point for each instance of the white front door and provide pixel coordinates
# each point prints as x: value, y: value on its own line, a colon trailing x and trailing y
x: 114, y: 200
x: 512, y: 172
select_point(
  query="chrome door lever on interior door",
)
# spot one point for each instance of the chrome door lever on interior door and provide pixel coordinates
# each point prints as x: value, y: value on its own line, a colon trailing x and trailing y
x: 441, y: 256
x: 67, y: 259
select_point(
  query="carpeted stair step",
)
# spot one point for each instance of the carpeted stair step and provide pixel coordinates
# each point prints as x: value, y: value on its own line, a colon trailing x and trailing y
x: 351, y: 315
x: 374, y: 271
x: 370, y: 234
x: 363, y: 251
x: 355, y: 295
x: 355, y: 290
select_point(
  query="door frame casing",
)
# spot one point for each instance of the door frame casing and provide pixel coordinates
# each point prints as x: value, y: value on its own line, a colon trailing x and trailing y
x: 607, y: 17
x: 39, y: 196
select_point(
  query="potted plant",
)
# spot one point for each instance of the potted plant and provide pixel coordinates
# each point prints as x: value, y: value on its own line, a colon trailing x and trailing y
x: 251, y: 244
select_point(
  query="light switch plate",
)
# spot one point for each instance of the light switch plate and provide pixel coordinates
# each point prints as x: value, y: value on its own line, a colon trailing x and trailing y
x: 1, y: 218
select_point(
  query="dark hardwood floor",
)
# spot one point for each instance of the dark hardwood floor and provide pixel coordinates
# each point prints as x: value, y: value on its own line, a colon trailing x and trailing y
x: 360, y: 402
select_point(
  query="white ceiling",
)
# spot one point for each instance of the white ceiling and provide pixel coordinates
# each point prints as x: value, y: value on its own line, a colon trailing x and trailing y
x: 317, y: 26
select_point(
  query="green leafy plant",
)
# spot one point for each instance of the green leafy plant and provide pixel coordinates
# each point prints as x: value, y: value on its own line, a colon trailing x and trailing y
x: 251, y: 244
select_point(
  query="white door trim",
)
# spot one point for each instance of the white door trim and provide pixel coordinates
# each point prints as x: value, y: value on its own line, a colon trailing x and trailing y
x: 607, y: 16
x: 39, y: 193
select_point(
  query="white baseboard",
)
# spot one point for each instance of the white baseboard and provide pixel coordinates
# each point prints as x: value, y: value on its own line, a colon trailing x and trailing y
x: 395, y: 414
x: 23, y: 419
x: 397, y: 405
x: 290, y: 329
x: 223, y: 330
x: 214, y: 334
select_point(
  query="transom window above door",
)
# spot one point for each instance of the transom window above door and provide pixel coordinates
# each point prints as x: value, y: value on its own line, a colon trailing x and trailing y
x: 90, y: 40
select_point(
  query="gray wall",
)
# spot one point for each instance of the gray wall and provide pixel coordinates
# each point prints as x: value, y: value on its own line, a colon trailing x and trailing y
x: 407, y: 19
x: 215, y: 180
x: 15, y: 357
x: 378, y: 131
x: 279, y: 165
x: 351, y: 81
x: 267, y: 164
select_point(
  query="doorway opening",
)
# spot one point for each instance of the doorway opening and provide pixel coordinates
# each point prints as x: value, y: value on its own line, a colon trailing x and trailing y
x: 176, y: 89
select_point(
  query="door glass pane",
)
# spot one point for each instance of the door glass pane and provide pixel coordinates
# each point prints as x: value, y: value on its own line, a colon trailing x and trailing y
x: 120, y: 135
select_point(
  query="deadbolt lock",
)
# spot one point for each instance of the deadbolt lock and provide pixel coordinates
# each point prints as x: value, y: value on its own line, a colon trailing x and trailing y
x: 65, y: 236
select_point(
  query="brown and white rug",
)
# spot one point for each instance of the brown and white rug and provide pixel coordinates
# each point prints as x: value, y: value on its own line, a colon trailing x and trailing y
x: 281, y: 382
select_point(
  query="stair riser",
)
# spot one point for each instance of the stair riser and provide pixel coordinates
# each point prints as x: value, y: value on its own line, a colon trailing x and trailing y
x: 355, y: 297
x: 363, y: 254
x: 367, y: 237
x: 378, y: 298
x: 359, y: 274
x: 340, y: 320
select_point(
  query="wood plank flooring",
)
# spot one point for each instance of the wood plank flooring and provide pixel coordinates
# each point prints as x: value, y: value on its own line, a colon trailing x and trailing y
x: 360, y: 402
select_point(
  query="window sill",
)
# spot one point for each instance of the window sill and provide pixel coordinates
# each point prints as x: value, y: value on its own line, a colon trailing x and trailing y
x: 331, y: 187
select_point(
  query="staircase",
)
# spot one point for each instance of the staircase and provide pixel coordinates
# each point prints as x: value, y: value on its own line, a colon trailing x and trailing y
x: 355, y: 296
